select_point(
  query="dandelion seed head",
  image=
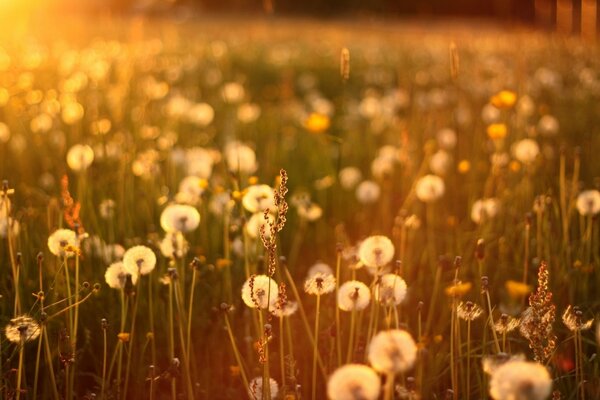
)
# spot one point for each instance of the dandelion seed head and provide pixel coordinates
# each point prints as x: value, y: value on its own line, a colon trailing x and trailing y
x: 319, y: 284
x: 139, y: 260
x: 353, y: 295
x: 468, y: 311
x: 260, y: 291
x: 174, y: 245
x: 255, y: 388
x: 22, y: 329
x: 367, y: 192
x: 349, y: 177
x: 446, y: 138
x: 62, y: 241
x: 430, y: 188
x: 240, y: 158
x: 440, y: 162
x: 392, y: 351
x: 259, y: 198
x: 116, y: 276
x: 199, y: 162
x: 80, y: 157
x: 572, y: 317
x: 588, y: 202
x: 179, y: 218
x: 526, y: 151
x: 484, y: 210
x: 376, y: 251
x: 353, y: 382
x: 520, y: 380
x: 506, y: 324
x: 191, y: 189
x: 256, y: 221
x: 248, y: 112
x: 201, y: 114
x: 390, y: 290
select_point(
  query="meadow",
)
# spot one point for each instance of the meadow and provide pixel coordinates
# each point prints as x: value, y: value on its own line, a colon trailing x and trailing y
x: 344, y: 210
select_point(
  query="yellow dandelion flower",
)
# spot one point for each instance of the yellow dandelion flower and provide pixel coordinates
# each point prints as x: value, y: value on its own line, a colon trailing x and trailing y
x: 514, y: 166
x: 123, y: 337
x: 458, y: 289
x: 504, y: 99
x: 253, y: 180
x: 317, y: 123
x: 464, y: 166
x: 497, y: 131
x: 517, y: 290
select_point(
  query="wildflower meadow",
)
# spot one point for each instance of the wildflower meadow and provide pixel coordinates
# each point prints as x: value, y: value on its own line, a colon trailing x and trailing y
x: 291, y: 209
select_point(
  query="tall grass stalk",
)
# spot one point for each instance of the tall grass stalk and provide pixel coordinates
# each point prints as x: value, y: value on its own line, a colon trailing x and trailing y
x: 316, y: 348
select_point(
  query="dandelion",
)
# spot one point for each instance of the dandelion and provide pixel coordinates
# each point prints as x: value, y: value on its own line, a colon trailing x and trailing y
x: 139, y: 259
x: 526, y: 151
x: 458, y: 289
x: 256, y: 222
x: 255, y: 388
x: 319, y: 284
x: 520, y: 380
x: 199, y: 162
x: 260, y: 291
x: 353, y: 295
x: 429, y: 188
x: 491, y: 363
x: 497, y: 131
x: 392, y: 351
x: 191, y: 189
x: 376, y: 251
x: 259, y: 198
x: 469, y: 311
x: 174, y: 245
x: 317, y: 123
x: 309, y: 211
x: 588, y: 202
x: 63, y: 243
x: 517, y: 290
x: 116, y: 276
x: 22, y: 329
x: 179, y: 218
x: 248, y: 112
x: 353, y: 382
x: 446, y: 138
x: 367, y: 192
x: 548, y: 126
x: 9, y: 223
x: 286, y: 309
x: 240, y: 158
x: 233, y: 92
x: 440, y: 162
x: 484, y: 210
x: 349, y: 177
x: 390, y: 290
x: 201, y: 114
x: 106, y: 209
x: 80, y: 157
x: 506, y: 324
x: 504, y: 99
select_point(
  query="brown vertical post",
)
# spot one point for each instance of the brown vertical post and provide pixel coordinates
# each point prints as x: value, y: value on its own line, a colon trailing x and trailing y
x: 588, y: 19
x: 564, y: 16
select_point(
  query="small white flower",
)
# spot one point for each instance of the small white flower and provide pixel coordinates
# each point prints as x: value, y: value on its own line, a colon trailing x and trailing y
x: 349, y: 177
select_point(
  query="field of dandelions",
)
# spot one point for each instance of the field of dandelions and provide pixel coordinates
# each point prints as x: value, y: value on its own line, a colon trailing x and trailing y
x: 188, y: 213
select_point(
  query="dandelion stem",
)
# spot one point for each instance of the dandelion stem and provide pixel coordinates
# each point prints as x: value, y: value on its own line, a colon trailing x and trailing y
x: 491, y: 321
x: 315, y: 349
x: 104, y: 351
x: 468, y: 388
x: 351, y: 338
x: 281, y: 352
x: 236, y: 353
x: 338, y: 336
x: 389, y: 386
x: 21, y: 366
x: 172, y: 340
x: 190, y: 308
